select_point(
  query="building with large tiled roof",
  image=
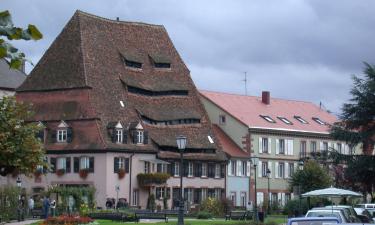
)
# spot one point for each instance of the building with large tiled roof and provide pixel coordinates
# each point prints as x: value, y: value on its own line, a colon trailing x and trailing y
x: 10, y: 79
x: 279, y: 132
x: 114, y: 95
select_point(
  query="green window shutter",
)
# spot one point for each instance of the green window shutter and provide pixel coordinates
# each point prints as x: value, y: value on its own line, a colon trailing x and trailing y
x: 116, y: 165
x: 75, y: 164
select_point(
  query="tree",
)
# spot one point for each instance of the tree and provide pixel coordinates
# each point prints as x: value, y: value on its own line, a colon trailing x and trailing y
x: 357, y: 118
x: 20, y: 150
x: 312, y: 177
x: 11, y: 32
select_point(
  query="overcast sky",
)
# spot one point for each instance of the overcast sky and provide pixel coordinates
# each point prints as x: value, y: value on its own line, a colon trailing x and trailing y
x: 296, y: 49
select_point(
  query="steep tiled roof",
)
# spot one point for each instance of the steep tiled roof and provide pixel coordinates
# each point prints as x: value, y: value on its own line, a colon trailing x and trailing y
x: 247, y: 109
x: 227, y: 144
x: 10, y: 79
x: 85, y: 69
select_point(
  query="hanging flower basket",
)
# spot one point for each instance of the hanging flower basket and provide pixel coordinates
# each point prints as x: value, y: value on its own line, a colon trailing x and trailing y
x: 121, y: 173
x: 83, y: 173
x: 60, y: 172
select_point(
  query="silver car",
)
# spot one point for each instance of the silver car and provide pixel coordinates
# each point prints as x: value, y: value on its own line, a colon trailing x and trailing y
x: 324, y: 212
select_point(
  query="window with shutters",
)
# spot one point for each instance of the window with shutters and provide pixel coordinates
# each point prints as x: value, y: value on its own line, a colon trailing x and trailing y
x: 339, y: 148
x: 135, y: 197
x: 62, y: 135
x: 313, y: 146
x: 243, y: 199
x: 204, y: 169
x: 217, y: 171
x: 281, y: 146
x: 264, y: 169
x: 189, y: 194
x: 162, y: 168
x: 147, y: 168
x: 204, y: 193
x: 160, y: 192
x: 119, y: 136
x: 190, y: 169
x: 325, y: 146
x: 265, y: 145
x: 84, y: 163
x: 139, y: 134
x: 121, y: 163
x: 281, y: 170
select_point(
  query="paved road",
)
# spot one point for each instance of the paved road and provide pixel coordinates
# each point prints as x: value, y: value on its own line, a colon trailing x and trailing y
x: 25, y: 222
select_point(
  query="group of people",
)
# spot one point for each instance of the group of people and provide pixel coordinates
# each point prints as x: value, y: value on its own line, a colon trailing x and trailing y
x: 111, y: 203
x: 47, y: 206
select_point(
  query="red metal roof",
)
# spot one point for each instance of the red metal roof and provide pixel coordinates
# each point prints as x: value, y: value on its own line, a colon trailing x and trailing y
x: 227, y: 143
x: 247, y: 109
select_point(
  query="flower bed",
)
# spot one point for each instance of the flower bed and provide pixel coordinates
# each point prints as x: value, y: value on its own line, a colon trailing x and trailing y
x: 68, y: 220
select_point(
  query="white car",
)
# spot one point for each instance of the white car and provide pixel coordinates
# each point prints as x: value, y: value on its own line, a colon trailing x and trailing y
x: 323, y: 212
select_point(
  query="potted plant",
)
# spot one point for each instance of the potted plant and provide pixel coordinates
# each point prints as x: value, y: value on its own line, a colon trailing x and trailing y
x: 83, y: 173
x: 121, y: 173
x: 60, y: 172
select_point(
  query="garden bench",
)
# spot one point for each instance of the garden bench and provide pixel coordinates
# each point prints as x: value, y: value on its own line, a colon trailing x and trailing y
x: 151, y: 215
x: 236, y: 215
x: 37, y: 213
x: 114, y: 216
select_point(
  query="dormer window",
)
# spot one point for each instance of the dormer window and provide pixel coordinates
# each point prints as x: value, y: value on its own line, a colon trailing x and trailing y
x: 133, y: 64
x: 285, y: 120
x: 268, y: 119
x: 140, y: 136
x: 300, y: 119
x: 319, y: 121
x: 161, y: 61
x: 131, y: 60
x: 63, y: 133
x: 119, y: 135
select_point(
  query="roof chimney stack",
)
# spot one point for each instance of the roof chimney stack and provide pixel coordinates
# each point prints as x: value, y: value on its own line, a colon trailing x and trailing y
x: 266, y: 97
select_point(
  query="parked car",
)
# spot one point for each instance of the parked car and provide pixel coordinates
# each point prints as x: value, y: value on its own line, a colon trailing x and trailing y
x: 349, y: 212
x: 370, y: 207
x: 313, y: 221
x: 324, y: 212
x: 364, y: 212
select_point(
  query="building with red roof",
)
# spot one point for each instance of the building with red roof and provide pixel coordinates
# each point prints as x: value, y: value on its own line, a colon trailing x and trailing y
x: 279, y: 133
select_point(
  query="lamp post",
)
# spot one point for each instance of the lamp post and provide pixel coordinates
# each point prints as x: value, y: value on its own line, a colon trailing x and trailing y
x: 300, y: 167
x: 254, y: 161
x: 19, y: 208
x: 181, y: 144
x: 268, y: 190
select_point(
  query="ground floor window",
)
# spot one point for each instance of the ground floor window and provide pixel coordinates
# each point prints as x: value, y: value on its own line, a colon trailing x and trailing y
x: 243, y: 199
x: 135, y: 197
x: 232, y: 197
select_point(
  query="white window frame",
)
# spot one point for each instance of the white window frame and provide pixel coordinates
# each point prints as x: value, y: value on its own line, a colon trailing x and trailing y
x: 176, y: 169
x: 265, y: 147
x: 264, y: 169
x: 135, y: 197
x: 217, y: 171
x: 303, y: 148
x: 243, y: 199
x: 119, y: 136
x: 300, y: 119
x: 313, y: 146
x: 62, y: 135
x: 140, y: 136
x: 244, y: 168
x: 189, y: 195
x: 121, y: 163
x: 232, y: 196
x: 61, y: 163
x: 84, y: 162
x: 234, y: 167
x: 217, y: 193
x: 339, y: 147
x: 204, y: 170
x: 291, y: 169
x: 325, y: 146
x: 281, y: 170
x: 268, y: 119
x: 285, y: 120
x: 204, y: 193
x: 281, y: 146
x: 147, y: 168
x: 190, y: 169
x: 319, y: 121
x: 162, y: 192
x: 222, y: 119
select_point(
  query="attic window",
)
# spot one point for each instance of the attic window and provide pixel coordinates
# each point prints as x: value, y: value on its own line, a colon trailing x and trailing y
x: 161, y: 61
x: 316, y: 119
x: 268, y: 119
x: 122, y: 104
x: 300, y: 119
x: 285, y: 120
x: 133, y: 64
x: 210, y: 139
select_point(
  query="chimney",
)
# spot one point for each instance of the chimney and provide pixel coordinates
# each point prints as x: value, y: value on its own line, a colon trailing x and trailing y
x: 117, y: 18
x: 266, y: 97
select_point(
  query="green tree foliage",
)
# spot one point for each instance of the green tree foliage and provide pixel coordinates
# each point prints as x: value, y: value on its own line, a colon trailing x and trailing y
x: 20, y: 149
x: 357, y: 119
x: 312, y: 177
x: 8, y: 30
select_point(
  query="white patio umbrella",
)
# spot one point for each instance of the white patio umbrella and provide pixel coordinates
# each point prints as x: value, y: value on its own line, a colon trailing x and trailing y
x: 331, y: 192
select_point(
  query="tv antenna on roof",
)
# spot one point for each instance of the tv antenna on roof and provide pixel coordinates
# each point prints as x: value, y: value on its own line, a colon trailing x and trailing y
x: 245, y: 80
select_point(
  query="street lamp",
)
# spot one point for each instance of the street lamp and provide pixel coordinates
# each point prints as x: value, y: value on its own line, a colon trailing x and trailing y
x: 268, y: 190
x: 181, y: 144
x: 254, y: 161
x: 300, y: 167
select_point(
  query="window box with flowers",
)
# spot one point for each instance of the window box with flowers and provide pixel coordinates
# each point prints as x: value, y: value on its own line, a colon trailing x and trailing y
x: 121, y: 173
x: 152, y: 179
x: 83, y: 173
x: 60, y: 172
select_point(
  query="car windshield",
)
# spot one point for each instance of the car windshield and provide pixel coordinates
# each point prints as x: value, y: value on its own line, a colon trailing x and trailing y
x: 314, y: 222
x: 324, y: 214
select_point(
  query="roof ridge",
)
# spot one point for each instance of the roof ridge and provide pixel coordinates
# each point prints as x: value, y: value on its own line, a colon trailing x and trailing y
x: 79, y: 12
x: 253, y: 96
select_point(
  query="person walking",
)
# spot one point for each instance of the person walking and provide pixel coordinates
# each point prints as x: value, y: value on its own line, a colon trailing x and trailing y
x: 46, y: 206
x: 53, y: 207
x: 31, y: 204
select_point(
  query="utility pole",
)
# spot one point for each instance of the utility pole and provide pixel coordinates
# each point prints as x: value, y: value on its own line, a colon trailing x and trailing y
x: 245, y: 80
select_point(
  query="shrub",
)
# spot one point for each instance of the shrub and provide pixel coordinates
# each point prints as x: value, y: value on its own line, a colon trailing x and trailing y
x: 66, y: 219
x: 293, y: 206
x: 227, y: 205
x: 213, y: 206
x: 204, y: 215
x: 151, y: 205
x: 145, y: 179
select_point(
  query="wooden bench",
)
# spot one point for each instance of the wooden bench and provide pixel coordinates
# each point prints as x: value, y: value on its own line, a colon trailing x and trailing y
x: 37, y: 213
x: 236, y: 215
x: 151, y: 215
